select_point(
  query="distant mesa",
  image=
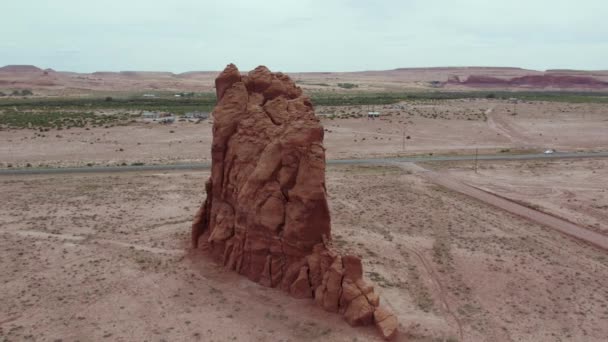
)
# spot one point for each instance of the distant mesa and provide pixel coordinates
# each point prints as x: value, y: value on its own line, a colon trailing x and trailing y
x: 20, y: 69
x: 195, y: 74
x: 103, y: 73
x: 461, y: 68
x: 548, y: 80
x: 473, y: 77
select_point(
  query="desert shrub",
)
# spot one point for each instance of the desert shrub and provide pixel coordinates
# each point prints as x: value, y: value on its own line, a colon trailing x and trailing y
x: 347, y: 85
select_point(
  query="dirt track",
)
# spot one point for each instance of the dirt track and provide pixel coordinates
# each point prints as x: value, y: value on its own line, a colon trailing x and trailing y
x: 561, y: 225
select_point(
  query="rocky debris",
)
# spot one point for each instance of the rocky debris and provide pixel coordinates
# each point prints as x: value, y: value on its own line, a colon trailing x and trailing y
x: 386, y: 323
x: 531, y: 81
x: 266, y: 214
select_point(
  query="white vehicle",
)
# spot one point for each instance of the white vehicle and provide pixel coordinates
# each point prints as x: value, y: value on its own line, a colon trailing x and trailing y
x: 549, y: 151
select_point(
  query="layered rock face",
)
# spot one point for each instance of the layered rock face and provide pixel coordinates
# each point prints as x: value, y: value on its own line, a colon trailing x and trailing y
x: 531, y: 81
x: 266, y: 214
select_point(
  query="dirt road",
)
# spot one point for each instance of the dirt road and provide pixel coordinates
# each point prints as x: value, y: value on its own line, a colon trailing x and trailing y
x: 553, y: 222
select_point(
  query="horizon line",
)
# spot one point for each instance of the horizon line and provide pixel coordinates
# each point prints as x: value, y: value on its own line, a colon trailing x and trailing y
x: 311, y: 72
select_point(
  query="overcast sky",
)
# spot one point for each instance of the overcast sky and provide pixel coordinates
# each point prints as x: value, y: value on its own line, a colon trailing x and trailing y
x: 303, y: 35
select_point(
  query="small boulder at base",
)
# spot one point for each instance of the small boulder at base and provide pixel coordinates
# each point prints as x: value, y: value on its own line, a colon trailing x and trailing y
x: 386, y: 322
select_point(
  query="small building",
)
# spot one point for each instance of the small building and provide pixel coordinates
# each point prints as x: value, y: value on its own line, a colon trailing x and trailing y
x: 150, y: 115
x: 196, y: 115
x: 167, y: 120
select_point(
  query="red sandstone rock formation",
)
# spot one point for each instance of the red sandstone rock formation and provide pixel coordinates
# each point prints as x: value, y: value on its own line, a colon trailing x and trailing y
x: 266, y: 213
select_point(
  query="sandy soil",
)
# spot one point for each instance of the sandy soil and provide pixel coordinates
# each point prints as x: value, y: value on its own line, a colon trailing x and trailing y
x: 150, y: 143
x: 440, y: 127
x: 573, y: 190
x: 524, y: 210
x: 104, y: 257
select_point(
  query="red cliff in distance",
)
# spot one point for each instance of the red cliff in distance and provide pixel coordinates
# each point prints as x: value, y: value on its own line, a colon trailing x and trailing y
x: 531, y: 81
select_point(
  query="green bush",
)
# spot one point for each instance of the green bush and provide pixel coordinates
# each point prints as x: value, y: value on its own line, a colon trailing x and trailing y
x: 59, y: 120
x: 348, y: 85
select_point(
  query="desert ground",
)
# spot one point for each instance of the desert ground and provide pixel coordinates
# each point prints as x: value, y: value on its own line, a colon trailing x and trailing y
x: 407, y: 128
x: 574, y: 190
x: 106, y: 257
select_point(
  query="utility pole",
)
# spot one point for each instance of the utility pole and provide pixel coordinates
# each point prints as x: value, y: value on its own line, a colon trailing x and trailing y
x: 403, y: 143
x: 476, y: 155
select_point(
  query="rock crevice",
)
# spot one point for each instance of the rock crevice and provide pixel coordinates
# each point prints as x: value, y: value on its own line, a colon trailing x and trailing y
x: 266, y: 214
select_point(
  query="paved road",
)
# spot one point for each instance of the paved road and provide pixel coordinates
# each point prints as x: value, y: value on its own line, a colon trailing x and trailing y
x: 198, y: 166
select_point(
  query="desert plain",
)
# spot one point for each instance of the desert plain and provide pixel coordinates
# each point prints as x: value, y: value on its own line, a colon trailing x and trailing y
x: 106, y: 256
